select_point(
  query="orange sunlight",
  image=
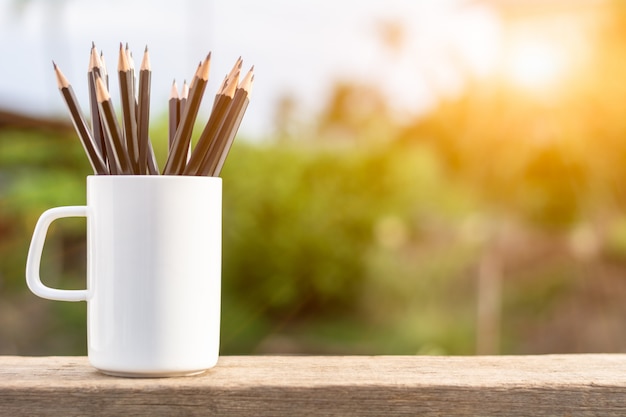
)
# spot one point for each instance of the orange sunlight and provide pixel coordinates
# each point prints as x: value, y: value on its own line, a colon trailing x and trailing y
x: 535, y: 53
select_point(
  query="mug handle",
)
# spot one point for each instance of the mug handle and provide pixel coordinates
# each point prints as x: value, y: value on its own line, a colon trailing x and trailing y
x: 33, y: 261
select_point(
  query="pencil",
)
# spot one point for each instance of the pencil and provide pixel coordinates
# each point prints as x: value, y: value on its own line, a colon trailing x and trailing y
x: 195, y: 75
x: 235, y: 70
x: 182, y: 103
x: 103, y: 70
x: 118, y: 155
x: 234, y: 123
x: 95, y: 159
x: 175, y: 163
x: 96, y: 125
x: 131, y: 65
x: 216, y: 156
x: 174, y: 113
x: 184, y: 95
x: 216, y: 119
x: 143, y: 115
x: 129, y: 117
x: 153, y: 167
x: 188, y: 89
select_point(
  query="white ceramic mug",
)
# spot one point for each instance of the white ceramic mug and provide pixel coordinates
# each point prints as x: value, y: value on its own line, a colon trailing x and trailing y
x: 153, y: 272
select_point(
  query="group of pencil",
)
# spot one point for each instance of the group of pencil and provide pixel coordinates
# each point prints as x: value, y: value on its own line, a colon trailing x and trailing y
x: 125, y: 148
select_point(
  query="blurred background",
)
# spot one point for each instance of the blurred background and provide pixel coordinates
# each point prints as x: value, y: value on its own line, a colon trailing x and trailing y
x: 411, y: 177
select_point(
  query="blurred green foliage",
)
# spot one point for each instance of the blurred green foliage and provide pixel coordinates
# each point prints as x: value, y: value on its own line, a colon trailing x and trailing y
x: 309, y: 234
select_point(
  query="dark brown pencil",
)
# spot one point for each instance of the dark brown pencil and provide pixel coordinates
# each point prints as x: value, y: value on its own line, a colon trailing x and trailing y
x: 129, y: 117
x: 95, y: 159
x: 177, y: 157
x: 118, y: 155
x: 153, y: 168
x: 143, y: 115
x: 184, y: 96
x: 174, y: 113
x: 182, y: 103
x: 220, y: 109
x: 190, y: 89
x: 131, y: 65
x: 216, y: 156
x: 233, y: 128
x: 96, y: 124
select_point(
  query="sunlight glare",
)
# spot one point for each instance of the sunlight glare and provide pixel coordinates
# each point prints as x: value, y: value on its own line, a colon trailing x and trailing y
x: 534, y: 63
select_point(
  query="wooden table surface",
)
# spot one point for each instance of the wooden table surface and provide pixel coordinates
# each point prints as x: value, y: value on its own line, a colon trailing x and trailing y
x: 544, y: 385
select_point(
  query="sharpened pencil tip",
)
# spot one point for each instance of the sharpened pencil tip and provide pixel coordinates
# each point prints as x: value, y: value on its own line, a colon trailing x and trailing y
x: 146, y: 49
x: 174, y: 91
x: 62, y: 82
x: 102, y: 93
x: 145, y: 61
x: 122, y: 61
x: 54, y: 65
x: 203, y: 71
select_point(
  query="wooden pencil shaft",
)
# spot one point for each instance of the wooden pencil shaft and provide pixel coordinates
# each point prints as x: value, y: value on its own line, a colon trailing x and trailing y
x: 213, y: 155
x: 195, y: 76
x: 214, y: 158
x: 231, y: 78
x: 182, y: 103
x: 95, y: 159
x: 215, y: 122
x: 143, y: 118
x: 78, y: 120
x: 220, y: 93
x: 111, y: 159
x: 174, y: 117
x: 173, y: 114
x: 129, y: 118
x: 182, y: 139
x: 129, y: 106
x: 153, y: 167
x: 96, y: 124
x: 112, y: 129
x: 177, y: 156
x: 111, y: 155
x: 230, y: 137
x: 198, y: 82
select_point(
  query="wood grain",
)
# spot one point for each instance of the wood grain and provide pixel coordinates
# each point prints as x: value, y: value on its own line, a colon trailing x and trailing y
x: 550, y: 385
